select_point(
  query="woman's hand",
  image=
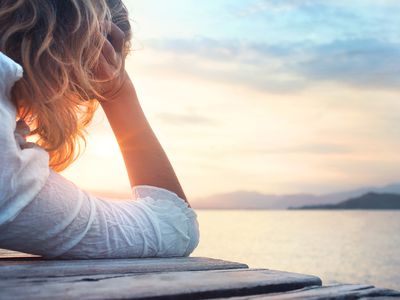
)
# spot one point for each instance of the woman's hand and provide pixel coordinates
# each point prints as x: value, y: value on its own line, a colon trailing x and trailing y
x: 110, y: 71
x: 22, y: 131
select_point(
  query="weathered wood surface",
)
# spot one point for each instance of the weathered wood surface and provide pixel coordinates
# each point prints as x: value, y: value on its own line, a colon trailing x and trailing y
x: 36, y: 267
x: 165, y: 285
x: 13, y: 254
x: 29, y: 277
x: 338, y: 291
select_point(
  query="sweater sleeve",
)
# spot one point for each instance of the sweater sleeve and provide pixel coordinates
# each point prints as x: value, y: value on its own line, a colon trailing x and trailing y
x: 66, y: 222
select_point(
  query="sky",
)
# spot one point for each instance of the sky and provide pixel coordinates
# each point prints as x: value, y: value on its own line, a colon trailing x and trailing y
x: 273, y: 96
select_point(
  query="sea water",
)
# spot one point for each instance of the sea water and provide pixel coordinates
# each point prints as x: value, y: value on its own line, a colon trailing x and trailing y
x: 338, y: 246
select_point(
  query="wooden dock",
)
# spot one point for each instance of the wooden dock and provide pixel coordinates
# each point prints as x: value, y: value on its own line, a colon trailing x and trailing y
x: 23, y: 277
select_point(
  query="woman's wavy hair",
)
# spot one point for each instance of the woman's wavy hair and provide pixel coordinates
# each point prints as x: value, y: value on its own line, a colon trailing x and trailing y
x: 58, y: 43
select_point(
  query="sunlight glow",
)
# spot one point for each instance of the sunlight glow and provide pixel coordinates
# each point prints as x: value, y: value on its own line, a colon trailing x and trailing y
x: 269, y: 100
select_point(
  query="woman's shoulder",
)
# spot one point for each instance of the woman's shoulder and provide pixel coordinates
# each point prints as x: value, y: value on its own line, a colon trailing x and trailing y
x: 23, y: 172
x: 10, y: 72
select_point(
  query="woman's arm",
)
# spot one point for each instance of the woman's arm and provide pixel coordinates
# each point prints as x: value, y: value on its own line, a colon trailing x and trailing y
x: 145, y: 159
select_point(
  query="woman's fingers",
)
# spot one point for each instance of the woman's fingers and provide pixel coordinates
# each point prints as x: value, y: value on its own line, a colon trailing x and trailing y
x: 116, y: 37
x: 109, y: 72
x: 22, y: 128
x: 114, y: 45
x: 109, y: 54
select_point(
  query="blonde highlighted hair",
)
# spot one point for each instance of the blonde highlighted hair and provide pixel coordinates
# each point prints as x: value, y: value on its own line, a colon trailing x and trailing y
x: 58, y: 43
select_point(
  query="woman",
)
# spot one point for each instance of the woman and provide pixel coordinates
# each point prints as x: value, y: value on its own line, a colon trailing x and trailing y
x: 58, y: 61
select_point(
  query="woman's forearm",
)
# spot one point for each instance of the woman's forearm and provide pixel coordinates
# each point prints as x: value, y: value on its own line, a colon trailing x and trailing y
x: 145, y: 159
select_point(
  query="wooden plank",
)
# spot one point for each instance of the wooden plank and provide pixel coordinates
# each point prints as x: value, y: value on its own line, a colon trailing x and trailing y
x: 36, y: 267
x: 14, y: 254
x: 168, y: 285
x: 338, y: 291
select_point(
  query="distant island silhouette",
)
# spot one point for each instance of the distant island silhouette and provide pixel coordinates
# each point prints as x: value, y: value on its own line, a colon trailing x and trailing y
x: 242, y: 199
x: 367, y: 201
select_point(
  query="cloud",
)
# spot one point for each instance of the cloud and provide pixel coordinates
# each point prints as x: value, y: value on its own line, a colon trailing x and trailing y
x: 311, y: 149
x: 235, y: 62
x: 185, y: 119
x: 353, y: 43
x: 273, y: 6
x: 279, y: 6
x: 361, y: 62
x: 366, y: 63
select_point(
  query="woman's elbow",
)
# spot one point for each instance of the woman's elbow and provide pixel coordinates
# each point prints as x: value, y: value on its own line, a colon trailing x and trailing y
x: 182, y: 242
x: 194, y: 235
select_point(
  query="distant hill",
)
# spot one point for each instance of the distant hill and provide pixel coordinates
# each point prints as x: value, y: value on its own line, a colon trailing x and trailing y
x: 367, y: 201
x: 256, y: 200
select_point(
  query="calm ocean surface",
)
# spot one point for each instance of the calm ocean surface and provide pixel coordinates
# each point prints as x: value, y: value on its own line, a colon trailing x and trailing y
x: 338, y: 246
